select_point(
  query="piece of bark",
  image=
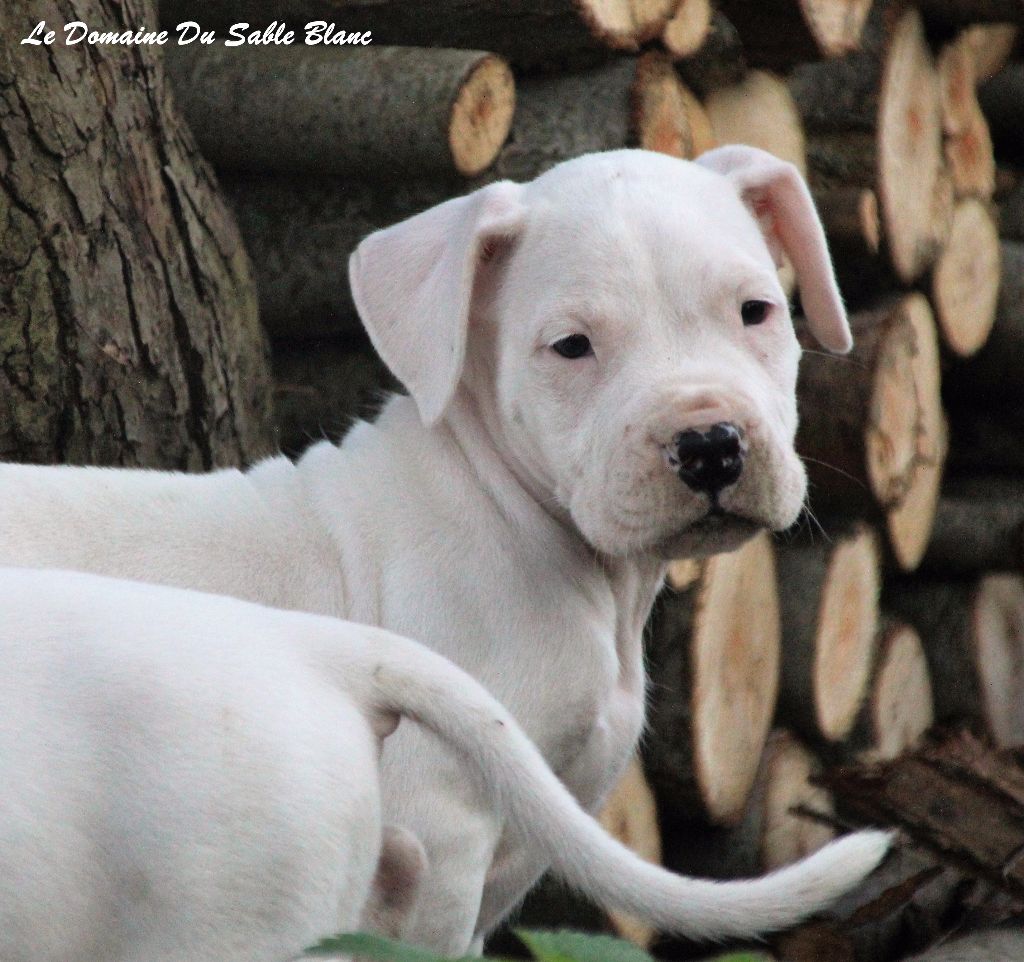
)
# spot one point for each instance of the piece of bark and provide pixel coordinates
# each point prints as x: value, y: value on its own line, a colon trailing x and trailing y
x: 772, y: 832
x: 872, y: 429
x: 873, y: 122
x: 988, y: 945
x: 973, y: 634
x: 1000, y: 99
x: 979, y: 526
x: 899, y: 707
x: 687, y: 28
x: 713, y: 649
x: 828, y: 598
x: 1011, y: 214
x: 720, y: 62
x: 530, y: 32
x: 965, y: 279
x: 373, y: 112
x: 779, y: 33
x: 129, y: 332
x: 300, y: 231
x: 321, y: 387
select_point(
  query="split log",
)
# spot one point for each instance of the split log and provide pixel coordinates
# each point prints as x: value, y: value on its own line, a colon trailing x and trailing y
x: 780, y: 33
x: 1000, y: 99
x: 128, y: 323
x: 992, y: 45
x: 687, y: 28
x: 720, y: 62
x: 871, y: 427
x: 300, y: 231
x: 376, y: 112
x: 973, y: 635
x: 631, y: 816
x: 965, y: 279
x: 899, y: 707
x: 979, y: 526
x: 322, y: 387
x: 714, y: 656
x: 773, y: 831
x: 874, y: 123
x: 530, y: 32
x: 828, y: 601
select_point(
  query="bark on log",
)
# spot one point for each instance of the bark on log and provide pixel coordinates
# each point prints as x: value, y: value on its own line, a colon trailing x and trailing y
x: 714, y: 654
x: 1011, y: 214
x: 530, y: 32
x: 1001, y: 99
x: 300, y: 231
x: 899, y: 707
x: 951, y: 14
x: 828, y: 598
x: 874, y: 123
x: 979, y: 526
x: 321, y: 387
x: 965, y: 279
x: 720, y: 62
x: 872, y: 429
x: 772, y: 832
x: 687, y: 28
x: 780, y: 33
x: 988, y: 945
x: 128, y: 323
x: 973, y: 635
x: 374, y: 112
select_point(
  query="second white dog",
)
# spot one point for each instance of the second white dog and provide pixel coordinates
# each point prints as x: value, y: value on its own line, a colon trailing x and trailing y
x: 191, y: 778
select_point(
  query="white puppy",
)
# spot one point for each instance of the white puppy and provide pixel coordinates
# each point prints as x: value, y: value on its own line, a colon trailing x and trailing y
x: 602, y: 372
x: 191, y: 778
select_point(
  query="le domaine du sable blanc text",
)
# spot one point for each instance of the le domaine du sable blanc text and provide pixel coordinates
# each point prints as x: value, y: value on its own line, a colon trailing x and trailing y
x: 239, y: 34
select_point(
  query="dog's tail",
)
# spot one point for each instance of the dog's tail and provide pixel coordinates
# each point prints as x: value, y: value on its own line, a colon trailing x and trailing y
x: 408, y: 679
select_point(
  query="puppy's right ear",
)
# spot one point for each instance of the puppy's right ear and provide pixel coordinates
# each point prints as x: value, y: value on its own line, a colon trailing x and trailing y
x: 413, y: 284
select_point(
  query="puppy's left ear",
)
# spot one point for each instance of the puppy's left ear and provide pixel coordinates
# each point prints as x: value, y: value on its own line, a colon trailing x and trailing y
x: 413, y: 286
x: 778, y: 197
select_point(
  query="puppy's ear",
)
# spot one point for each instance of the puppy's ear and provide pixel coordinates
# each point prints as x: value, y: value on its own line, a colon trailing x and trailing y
x: 778, y: 197
x: 413, y: 284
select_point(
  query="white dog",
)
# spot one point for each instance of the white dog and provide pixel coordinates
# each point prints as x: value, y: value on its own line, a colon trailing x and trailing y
x: 192, y: 778
x: 602, y: 372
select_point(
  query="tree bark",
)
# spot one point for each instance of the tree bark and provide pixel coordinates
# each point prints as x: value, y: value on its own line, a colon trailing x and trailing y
x: 128, y: 322
x: 1000, y: 99
x: 979, y: 526
x: 720, y: 61
x: 373, y: 112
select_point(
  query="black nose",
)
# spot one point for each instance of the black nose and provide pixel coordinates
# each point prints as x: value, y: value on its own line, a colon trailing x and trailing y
x: 710, y: 460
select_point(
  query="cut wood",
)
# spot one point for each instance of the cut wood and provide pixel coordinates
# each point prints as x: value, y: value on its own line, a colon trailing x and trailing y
x: 965, y: 279
x: 631, y: 816
x: 714, y: 654
x: 369, y: 112
x: 1000, y: 99
x: 321, y: 387
x: 774, y: 830
x: 973, y: 635
x: 874, y: 123
x: 871, y: 427
x: 992, y: 45
x: 828, y: 597
x: 666, y: 117
x: 780, y: 33
x: 530, y: 32
x: 720, y: 62
x: 300, y: 230
x: 687, y: 29
x: 979, y: 526
x: 899, y: 707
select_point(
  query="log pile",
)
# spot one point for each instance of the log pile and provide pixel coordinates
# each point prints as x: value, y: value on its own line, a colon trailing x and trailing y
x: 776, y: 663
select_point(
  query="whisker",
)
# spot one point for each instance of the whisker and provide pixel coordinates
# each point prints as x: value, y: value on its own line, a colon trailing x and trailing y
x: 832, y: 467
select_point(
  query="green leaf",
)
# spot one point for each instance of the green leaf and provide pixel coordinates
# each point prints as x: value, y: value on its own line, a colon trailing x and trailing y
x: 565, y: 946
x: 374, y: 947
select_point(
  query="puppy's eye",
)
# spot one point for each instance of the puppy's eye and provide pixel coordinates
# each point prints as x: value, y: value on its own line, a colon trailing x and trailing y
x: 754, y: 312
x: 573, y: 346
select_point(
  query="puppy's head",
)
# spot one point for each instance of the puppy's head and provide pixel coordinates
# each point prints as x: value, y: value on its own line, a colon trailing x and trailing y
x: 619, y: 327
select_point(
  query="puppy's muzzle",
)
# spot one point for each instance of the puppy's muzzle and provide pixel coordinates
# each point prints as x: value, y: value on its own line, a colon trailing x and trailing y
x: 710, y: 460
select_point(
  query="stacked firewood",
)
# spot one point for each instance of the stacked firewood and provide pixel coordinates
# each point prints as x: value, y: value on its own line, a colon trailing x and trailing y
x: 899, y: 600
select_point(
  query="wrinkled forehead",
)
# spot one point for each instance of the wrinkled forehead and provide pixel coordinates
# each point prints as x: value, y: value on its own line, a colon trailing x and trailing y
x: 638, y: 214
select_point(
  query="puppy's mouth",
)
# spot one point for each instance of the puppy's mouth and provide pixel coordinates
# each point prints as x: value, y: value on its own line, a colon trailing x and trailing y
x: 716, y: 531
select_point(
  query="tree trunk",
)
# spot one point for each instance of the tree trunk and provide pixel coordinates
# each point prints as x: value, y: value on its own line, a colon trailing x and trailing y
x: 128, y: 322
x: 373, y: 112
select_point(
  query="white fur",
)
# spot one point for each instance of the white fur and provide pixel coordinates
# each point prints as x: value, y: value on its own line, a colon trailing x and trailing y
x: 191, y: 777
x: 515, y: 513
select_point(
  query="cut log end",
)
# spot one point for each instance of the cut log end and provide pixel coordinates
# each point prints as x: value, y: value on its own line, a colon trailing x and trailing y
x: 836, y: 25
x: 481, y: 116
x: 736, y: 668
x: 998, y: 621
x: 846, y: 630
x: 625, y: 24
x: 685, y: 31
x: 661, y: 121
x: 900, y: 707
x: 965, y: 283
x: 788, y: 836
